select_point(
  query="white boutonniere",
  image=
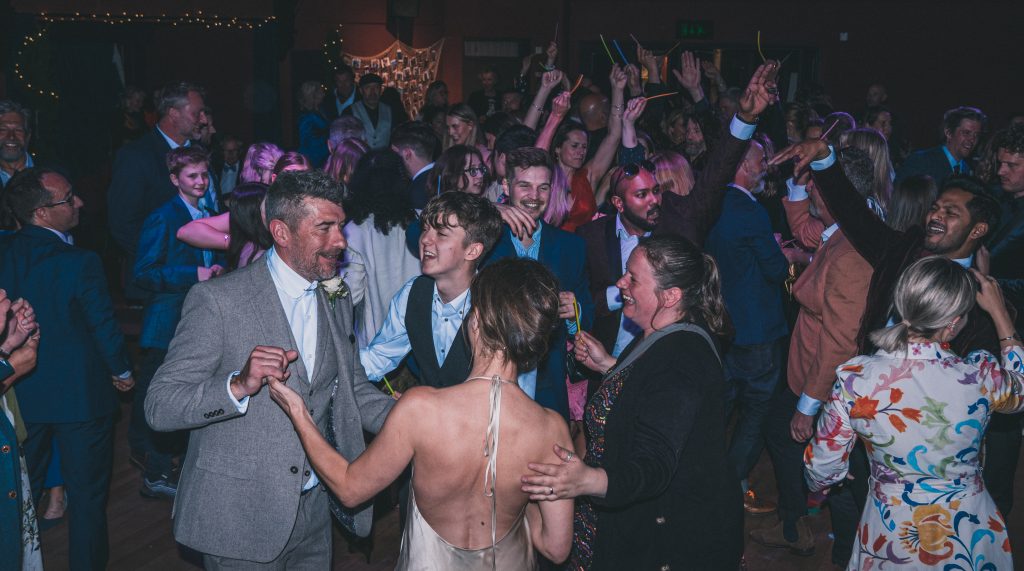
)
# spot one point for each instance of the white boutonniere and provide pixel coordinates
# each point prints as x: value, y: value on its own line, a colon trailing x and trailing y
x: 334, y: 289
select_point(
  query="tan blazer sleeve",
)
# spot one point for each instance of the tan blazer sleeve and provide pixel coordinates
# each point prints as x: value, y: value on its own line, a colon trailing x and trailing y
x: 806, y: 228
x: 846, y: 290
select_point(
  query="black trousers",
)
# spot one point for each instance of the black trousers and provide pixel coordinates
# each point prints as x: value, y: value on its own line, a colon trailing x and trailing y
x: 159, y: 447
x: 1002, y: 451
x: 86, y: 451
x: 787, y: 454
x: 846, y: 502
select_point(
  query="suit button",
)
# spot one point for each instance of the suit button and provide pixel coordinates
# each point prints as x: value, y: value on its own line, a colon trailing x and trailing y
x: 306, y: 473
x: 12, y: 494
x: 220, y: 411
x: 310, y: 411
x: 664, y: 567
x: 294, y: 469
x: 5, y: 449
x: 352, y: 337
x: 206, y: 415
x: 660, y: 520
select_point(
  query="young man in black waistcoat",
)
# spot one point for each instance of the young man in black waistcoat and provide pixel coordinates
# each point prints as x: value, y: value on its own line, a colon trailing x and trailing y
x: 426, y: 315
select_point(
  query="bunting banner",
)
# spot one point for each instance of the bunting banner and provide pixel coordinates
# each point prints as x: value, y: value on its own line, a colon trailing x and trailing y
x: 410, y: 70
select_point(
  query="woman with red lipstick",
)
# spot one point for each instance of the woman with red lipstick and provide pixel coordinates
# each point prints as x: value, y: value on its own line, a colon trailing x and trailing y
x: 655, y: 460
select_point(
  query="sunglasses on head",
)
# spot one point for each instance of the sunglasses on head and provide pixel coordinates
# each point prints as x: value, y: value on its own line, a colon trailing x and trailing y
x: 630, y: 170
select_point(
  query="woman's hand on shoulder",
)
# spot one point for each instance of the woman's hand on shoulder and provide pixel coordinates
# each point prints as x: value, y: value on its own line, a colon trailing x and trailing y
x: 570, y: 478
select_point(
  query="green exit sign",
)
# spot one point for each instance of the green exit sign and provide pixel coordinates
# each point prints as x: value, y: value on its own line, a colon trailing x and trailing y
x: 695, y: 29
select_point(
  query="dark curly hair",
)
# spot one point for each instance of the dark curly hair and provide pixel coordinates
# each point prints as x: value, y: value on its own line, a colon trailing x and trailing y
x: 380, y: 186
x: 515, y: 306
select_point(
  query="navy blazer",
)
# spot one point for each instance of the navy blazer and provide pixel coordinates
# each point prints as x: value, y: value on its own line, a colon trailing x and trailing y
x: 752, y: 268
x: 165, y: 268
x: 932, y: 162
x: 81, y: 345
x: 10, y: 482
x: 140, y: 183
x: 418, y: 191
x: 564, y: 254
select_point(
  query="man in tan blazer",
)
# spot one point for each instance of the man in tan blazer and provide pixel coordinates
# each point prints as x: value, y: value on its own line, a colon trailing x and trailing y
x: 832, y: 293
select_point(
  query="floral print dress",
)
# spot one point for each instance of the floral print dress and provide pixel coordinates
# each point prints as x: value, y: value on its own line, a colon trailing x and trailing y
x: 922, y: 414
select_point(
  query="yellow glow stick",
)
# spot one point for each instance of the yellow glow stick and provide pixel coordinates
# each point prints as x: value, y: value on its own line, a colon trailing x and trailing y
x: 764, y: 59
x: 388, y: 385
x: 576, y: 310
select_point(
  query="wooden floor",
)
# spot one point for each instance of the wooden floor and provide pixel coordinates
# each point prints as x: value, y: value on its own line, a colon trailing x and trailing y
x: 141, y: 538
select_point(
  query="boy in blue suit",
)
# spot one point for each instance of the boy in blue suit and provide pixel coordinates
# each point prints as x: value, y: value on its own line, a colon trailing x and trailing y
x: 527, y: 183
x: 166, y: 268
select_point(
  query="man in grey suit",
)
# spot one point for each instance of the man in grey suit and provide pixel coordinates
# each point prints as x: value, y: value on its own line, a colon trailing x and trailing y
x: 247, y: 497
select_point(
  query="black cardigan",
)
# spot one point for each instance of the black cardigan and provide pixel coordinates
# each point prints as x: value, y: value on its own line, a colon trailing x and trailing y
x: 672, y: 497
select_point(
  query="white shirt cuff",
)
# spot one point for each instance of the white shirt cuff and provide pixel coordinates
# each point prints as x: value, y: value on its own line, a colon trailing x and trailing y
x: 125, y: 375
x: 240, y: 405
x: 741, y: 129
x: 797, y: 192
x: 808, y: 405
x: 614, y: 297
x: 826, y: 162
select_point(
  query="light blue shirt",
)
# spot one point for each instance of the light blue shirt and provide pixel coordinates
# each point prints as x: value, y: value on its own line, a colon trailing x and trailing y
x: 196, y: 214
x: 391, y: 344
x: 955, y: 164
x: 5, y: 178
x: 533, y: 252
x: 627, y: 329
x: 298, y: 299
x: 171, y: 142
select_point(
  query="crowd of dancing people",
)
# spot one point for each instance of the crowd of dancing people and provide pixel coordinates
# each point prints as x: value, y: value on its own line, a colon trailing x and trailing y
x: 571, y: 315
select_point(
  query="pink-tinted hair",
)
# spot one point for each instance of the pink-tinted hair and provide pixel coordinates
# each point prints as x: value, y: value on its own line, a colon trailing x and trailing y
x: 259, y: 163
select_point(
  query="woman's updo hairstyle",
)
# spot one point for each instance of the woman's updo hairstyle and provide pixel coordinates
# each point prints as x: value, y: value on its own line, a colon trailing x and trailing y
x: 515, y: 304
x: 929, y: 295
x: 676, y: 262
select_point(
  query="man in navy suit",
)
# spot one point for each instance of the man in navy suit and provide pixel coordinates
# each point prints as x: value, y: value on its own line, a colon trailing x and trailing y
x: 418, y: 146
x: 961, y: 127
x: 139, y: 183
x: 528, y: 173
x: 753, y: 269
x: 166, y: 268
x: 70, y: 395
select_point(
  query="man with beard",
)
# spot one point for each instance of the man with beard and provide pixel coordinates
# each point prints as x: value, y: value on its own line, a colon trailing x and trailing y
x: 14, y: 138
x: 374, y: 114
x: 643, y: 209
x: 527, y: 183
x: 962, y: 128
x: 752, y: 268
x: 955, y: 228
x: 248, y: 497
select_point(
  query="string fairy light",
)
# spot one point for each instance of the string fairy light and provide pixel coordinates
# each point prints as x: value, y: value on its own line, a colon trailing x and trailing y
x: 197, y: 18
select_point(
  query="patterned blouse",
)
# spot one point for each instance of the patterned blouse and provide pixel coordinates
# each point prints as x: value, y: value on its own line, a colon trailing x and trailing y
x: 922, y: 414
x: 585, y: 517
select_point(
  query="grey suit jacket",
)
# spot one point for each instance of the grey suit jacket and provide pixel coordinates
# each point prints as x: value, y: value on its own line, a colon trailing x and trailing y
x: 240, y: 483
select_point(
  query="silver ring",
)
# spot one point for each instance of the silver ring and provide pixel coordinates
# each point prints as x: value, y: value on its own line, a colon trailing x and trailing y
x: 569, y: 456
x: 551, y: 491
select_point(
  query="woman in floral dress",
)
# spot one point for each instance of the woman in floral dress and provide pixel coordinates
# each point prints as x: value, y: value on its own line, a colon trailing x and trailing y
x: 922, y: 412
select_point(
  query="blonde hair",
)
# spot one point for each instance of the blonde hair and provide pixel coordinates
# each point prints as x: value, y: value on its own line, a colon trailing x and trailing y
x: 929, y: 295
x: 874, y: 144
x: 672, y: 166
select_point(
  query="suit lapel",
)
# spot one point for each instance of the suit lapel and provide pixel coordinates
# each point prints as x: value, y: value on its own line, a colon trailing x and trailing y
x: 266, y: 305
x: 548, y: 253
x: 611, y: 242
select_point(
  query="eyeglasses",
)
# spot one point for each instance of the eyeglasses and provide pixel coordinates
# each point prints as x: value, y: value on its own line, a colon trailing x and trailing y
x: 479, y: 170
x: 631, y: 170
x: 68, y: 200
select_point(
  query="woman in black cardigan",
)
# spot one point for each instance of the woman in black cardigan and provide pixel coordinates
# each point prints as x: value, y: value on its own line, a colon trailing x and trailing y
x: 655, y: 489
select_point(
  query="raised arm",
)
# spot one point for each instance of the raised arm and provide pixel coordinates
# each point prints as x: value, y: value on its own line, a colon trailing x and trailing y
x: 724, y: 157
x: 602, y: 159
x: 689, y: 76
x: 868, y: 234
x: 559, y: 108
x: 213, y: 233
x: 548, y: 82
x: 1007, y: 383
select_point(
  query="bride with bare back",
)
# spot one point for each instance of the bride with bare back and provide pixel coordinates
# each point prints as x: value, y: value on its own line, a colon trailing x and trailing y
x: 468, y: 443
